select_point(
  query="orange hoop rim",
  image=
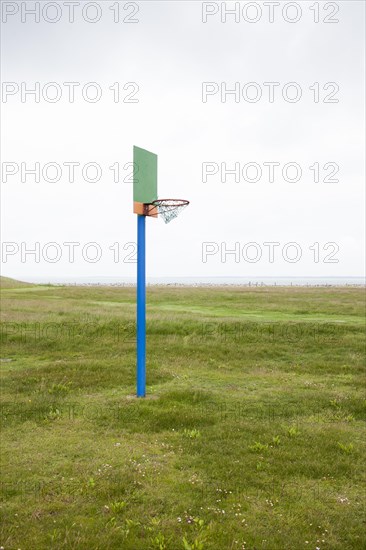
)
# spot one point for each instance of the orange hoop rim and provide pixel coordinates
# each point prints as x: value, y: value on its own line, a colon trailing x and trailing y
x: 170, y: 203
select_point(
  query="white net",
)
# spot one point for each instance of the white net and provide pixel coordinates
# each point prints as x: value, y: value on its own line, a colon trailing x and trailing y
x: 169, y: 209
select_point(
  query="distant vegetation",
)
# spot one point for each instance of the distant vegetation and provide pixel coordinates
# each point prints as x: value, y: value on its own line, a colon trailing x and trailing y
x: 6, y: 282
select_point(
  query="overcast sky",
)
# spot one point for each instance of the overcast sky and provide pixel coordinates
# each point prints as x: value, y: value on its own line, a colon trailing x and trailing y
x: 173, y: 62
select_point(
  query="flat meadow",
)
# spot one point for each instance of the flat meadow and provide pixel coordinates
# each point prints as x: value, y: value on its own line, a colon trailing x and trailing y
x: 251, y: 435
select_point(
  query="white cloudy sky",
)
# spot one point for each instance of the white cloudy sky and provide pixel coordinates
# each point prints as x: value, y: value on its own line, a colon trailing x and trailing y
x: 169, y: 53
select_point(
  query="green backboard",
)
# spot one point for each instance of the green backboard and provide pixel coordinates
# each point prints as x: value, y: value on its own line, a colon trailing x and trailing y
x: 145, y: 179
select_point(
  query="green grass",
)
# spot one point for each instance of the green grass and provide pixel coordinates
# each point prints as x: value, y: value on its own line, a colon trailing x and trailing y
x: 252, y: 435
x: 7, y: 283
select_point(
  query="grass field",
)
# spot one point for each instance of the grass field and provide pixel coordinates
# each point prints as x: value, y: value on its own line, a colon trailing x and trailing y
x: 252, y: 434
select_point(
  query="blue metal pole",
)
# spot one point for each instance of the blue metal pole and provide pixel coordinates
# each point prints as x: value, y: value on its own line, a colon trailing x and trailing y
x: 141, y: 307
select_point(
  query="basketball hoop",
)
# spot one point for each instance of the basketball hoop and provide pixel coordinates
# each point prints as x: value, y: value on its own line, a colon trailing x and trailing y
x: 146, y: 204
x: 169, y: 209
